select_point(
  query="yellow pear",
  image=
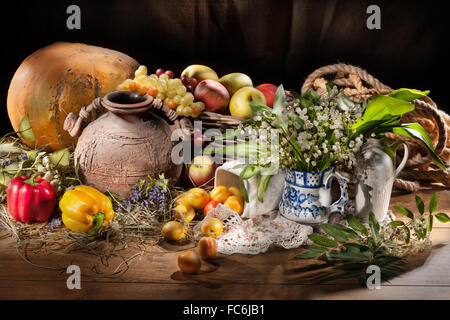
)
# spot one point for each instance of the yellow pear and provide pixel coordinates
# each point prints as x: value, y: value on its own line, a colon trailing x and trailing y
x: 200, y: 72
x: 234, y: 81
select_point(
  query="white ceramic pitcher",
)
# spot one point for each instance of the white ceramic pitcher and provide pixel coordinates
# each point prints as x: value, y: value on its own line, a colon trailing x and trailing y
x: 375, y: 174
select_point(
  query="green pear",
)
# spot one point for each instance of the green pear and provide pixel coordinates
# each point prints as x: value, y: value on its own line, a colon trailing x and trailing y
x: 234, y: 81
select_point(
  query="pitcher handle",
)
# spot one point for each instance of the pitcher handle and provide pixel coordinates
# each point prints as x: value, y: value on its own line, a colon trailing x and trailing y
x: 405, y: 157
x: 338, y: 206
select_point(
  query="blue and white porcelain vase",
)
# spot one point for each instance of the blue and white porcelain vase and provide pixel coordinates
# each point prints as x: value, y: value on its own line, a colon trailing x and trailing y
x: 307, y: 196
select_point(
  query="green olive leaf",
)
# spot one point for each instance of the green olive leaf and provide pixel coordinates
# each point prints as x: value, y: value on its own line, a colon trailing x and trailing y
x: 433, y: 203
x: 420, y: 205
x: 25, y: 130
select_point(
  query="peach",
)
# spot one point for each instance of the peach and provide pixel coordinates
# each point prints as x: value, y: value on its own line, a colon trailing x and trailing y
x: 213, y: 94
x: 207, y: 248
x: 201, y: 171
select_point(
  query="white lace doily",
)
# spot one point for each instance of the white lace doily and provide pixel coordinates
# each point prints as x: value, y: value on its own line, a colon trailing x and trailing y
x: 256, y: 235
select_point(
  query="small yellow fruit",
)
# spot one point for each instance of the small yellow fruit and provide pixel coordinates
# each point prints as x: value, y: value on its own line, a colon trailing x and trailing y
x: 197, y: 198
x: 219, y: 194
x: 235, y: 203
x: 189, y: 262
x: 207, y: 248
x: 235, y: 191
x: 183, y: 210
x: 212, y: 227
x: 173, y: 230
x: 180, y: 200
x: 200, y: 72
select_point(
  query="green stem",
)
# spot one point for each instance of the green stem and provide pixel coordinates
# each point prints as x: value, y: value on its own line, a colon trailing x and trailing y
x: 99, y: 218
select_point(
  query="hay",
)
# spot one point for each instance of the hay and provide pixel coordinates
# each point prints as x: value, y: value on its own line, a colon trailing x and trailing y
x: 135, y: 226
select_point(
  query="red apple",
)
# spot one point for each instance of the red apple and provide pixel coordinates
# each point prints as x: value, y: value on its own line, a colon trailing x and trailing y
x: 268, y: 91
x: 213, y: 94
x: 201, y: 171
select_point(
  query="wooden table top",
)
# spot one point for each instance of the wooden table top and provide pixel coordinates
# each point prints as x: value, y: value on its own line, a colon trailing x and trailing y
x: 273, y: 275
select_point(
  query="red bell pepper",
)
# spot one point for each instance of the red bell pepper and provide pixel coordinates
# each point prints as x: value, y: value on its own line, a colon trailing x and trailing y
x: 28, y: 201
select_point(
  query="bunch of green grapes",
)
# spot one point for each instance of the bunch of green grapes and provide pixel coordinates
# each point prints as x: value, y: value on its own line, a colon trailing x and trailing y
x: 162, y: 85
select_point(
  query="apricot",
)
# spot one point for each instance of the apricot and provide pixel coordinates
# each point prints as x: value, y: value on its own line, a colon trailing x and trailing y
x: 189, y: 262
x: 212, y: 227
x: 235, y: 203
x: 181, y: 199
x: 219, y: 194
x: 183, y: 211
x: 173, y: 230
x: 234, y: 191
x: 207, y: 248
x: 197, y: 198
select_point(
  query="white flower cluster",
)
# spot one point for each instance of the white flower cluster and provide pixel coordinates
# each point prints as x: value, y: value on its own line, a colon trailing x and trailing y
x: 317, y: 133
x: 48, y: 172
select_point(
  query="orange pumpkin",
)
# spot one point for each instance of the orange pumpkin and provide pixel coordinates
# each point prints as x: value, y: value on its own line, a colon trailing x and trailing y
x: 59, y: 79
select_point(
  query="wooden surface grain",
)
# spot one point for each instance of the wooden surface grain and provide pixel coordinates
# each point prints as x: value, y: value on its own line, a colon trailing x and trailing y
x: 273, y: 275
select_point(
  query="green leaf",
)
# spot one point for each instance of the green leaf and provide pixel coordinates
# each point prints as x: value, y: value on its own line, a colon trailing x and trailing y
x: 404, y: 211
x: 408, y: 235
x: 337, y: 234
x: 61, y: 158
x: 349, y: 232
x: 248, y: 172
x: 312, y: 96
x: 416, y: 131
x: 373, y: 224
x: 309, y: 255
x: 25, y: 129
x: 316, y: 248
x: 397, y: 223
x: 381, y: 106
x: 356, y: 225
x: 10, y: 148
x: 257, y: 106
x: 430, y: 223
x: 352, y: 256
x: 278, y: 101
x: 322, y: 241
x: 408, y: 94
x: 433, y: 203
x: 420, y: 204
x: 5, y: 178
x: 262, y: 187
x: 442, y: 217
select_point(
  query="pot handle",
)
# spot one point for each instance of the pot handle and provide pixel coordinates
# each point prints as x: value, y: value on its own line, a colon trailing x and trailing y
x: 74, y: 124
x: 405, y: 157
x: 338, y: 206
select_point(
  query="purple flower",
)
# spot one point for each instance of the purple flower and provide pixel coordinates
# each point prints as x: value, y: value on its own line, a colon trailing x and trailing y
x: 56, y: 222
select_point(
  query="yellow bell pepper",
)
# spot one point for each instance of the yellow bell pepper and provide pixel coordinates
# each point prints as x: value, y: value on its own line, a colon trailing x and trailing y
x: 85, y: 209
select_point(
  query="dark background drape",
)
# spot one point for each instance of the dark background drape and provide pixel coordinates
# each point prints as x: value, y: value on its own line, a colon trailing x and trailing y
x: 271, y: 40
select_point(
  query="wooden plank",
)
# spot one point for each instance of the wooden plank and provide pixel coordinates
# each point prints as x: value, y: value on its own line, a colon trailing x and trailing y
x: 201, y: 290
x: 273, y: 275
x: 275, y: 267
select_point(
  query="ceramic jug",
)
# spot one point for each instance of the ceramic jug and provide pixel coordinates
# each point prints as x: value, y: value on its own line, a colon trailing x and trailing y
x: 375, y: 173
x: 129, y: 142
x: 307, y: 198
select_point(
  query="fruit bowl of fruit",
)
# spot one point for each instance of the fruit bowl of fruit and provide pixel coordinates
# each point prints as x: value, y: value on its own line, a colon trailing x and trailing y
x: 200, y: 94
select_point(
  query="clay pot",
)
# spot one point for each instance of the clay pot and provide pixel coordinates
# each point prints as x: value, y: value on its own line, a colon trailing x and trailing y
x: 128, y: 143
